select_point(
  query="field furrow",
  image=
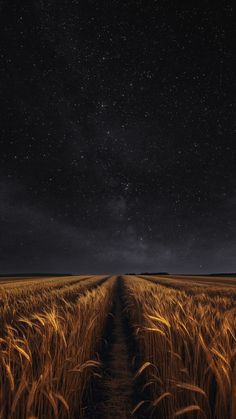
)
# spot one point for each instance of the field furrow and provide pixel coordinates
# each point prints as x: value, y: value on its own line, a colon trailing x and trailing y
x: 116, y: 391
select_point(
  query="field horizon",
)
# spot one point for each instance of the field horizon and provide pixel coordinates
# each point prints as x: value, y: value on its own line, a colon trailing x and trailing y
x: 56, y: 274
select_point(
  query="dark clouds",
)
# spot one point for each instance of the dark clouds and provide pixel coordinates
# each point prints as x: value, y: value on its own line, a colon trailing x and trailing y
x: 117, y: 136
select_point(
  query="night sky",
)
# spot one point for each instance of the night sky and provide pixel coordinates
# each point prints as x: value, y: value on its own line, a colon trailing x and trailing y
x: 118, y: 130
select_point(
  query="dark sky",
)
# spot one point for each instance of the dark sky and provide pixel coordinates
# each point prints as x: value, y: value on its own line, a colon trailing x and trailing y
x: 118, y: 129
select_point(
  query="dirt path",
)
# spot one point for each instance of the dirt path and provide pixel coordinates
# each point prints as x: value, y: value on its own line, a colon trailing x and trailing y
x: 118, y: 378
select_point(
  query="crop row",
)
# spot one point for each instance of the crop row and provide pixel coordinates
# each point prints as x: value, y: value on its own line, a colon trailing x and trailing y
x: 49, y: 354
x: 185, y: 350
x: 34, y: 299
x: 22, y: 286
x: 197, y: 286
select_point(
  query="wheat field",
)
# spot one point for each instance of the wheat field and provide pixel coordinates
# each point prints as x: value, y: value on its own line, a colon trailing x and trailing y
x: 164, y: 346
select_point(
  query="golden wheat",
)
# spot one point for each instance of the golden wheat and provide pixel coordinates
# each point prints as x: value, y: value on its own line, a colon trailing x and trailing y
x: 186, y: 340
x: 48, y: 354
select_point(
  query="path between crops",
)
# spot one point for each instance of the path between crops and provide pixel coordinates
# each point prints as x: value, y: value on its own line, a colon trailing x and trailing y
x: 118, y: 378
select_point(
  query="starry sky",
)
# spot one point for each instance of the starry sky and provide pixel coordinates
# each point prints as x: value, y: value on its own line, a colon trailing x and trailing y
x: 117, y: 136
